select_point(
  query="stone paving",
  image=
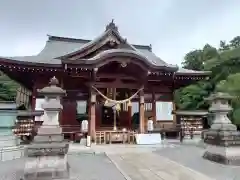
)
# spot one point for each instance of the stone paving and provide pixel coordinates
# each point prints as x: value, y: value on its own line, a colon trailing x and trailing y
x: 82, y: 167
x: 168, y: 161
x: 149, y: 166
x: 191, y: 156
x: 139, y: 162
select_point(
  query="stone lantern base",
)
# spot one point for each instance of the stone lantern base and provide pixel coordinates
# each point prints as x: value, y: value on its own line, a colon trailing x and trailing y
x: 46, y: 167
x: 47, y: 155
x: 223, y: 146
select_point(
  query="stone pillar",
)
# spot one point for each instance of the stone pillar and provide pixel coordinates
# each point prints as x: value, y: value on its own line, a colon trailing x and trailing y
x: 222, y: 139
x: 47, y: 154
x: 92, y: 115
x: 141, y: 112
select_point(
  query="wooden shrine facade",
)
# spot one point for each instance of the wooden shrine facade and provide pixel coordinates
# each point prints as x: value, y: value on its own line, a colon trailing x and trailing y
x: 108, y: 67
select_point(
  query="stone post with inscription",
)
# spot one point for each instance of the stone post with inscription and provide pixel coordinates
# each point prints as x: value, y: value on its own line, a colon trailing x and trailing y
x: 222, y: 139
x: 47, y: 153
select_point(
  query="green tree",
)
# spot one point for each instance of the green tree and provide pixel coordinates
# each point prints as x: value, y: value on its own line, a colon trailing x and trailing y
x: 235, y: 42
x: 209, y: 52
x: 193, y: 60
x: 225, y: 67
x: 7, y: 88
x: 192, y: 96
x: 223, y: 46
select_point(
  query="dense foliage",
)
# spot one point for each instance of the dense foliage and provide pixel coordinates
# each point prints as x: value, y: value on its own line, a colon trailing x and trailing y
x: 225, y: 66
x: 8, y: 88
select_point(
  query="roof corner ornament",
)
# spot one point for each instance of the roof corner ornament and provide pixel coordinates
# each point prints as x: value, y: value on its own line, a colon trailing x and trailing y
x: 111, y: 26
x: 150, y: 47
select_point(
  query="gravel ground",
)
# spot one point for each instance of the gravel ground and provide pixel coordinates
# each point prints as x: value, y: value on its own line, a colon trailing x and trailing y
x: 191, y: 156
x: 82, y: 167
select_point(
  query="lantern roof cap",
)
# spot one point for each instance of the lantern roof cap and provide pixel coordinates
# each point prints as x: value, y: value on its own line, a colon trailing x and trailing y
x: 219, y: 96
x: 52, y: 89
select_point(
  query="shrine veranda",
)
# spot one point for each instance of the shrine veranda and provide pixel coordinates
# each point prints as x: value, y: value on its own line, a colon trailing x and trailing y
x: 112, y: 83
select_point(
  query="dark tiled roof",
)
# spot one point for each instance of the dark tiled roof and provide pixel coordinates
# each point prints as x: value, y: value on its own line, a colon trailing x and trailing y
x: 57, y: 47
x: 60, y: 46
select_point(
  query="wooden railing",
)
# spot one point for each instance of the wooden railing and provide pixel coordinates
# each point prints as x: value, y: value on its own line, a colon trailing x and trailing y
x: 109, y: 137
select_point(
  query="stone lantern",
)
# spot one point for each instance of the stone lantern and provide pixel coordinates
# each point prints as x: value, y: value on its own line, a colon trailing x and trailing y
x: 222, y: 139
x: 47, y: 154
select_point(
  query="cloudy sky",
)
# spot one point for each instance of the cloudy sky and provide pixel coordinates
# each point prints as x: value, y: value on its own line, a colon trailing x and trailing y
x: 173, y: 27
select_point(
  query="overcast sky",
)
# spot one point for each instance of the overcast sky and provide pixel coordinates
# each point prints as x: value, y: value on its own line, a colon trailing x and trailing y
x: 173, y: 27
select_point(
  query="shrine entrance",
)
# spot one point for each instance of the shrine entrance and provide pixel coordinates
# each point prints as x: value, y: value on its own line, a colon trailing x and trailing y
x: 107, y: 118
x: 115, y: 111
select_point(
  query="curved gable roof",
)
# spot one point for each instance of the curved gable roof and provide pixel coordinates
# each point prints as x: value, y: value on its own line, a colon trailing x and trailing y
x: 57, y: 47
x: 106, y: 55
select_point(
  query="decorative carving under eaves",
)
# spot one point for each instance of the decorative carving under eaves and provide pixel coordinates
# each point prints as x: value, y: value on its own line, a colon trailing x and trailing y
x: 107, y: 43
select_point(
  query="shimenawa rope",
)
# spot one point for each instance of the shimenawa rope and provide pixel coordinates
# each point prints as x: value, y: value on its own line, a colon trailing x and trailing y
x: 117, y: 101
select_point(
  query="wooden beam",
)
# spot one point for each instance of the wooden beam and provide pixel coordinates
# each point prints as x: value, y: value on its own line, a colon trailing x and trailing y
x: 114, y: 85
x: 154, y: 111
x: 141, y: 112
x: 115, y: 76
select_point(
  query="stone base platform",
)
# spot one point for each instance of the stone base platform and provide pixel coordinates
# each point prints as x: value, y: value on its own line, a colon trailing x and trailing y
x: 46, y: 167
x: 51, y: 149
x: 223, y: 155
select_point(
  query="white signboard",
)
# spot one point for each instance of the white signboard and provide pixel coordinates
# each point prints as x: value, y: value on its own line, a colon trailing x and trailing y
x: 81, y: 107
x: 148, y: 139
x: 164, y: 111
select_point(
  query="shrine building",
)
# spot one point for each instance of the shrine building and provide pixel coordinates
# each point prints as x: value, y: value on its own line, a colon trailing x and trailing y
x: 111, y: 82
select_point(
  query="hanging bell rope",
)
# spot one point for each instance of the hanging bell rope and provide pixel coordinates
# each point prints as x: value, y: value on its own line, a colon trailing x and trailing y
x: 117, y: 101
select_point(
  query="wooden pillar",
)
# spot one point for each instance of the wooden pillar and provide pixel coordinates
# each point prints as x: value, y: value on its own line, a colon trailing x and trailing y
x: 154, y: 112
x: 92, y: 115
x: 34, y: 96
x: 174, y: 115
x: 141, y: 111
x: 129, y: 116
x: 114, y: 110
